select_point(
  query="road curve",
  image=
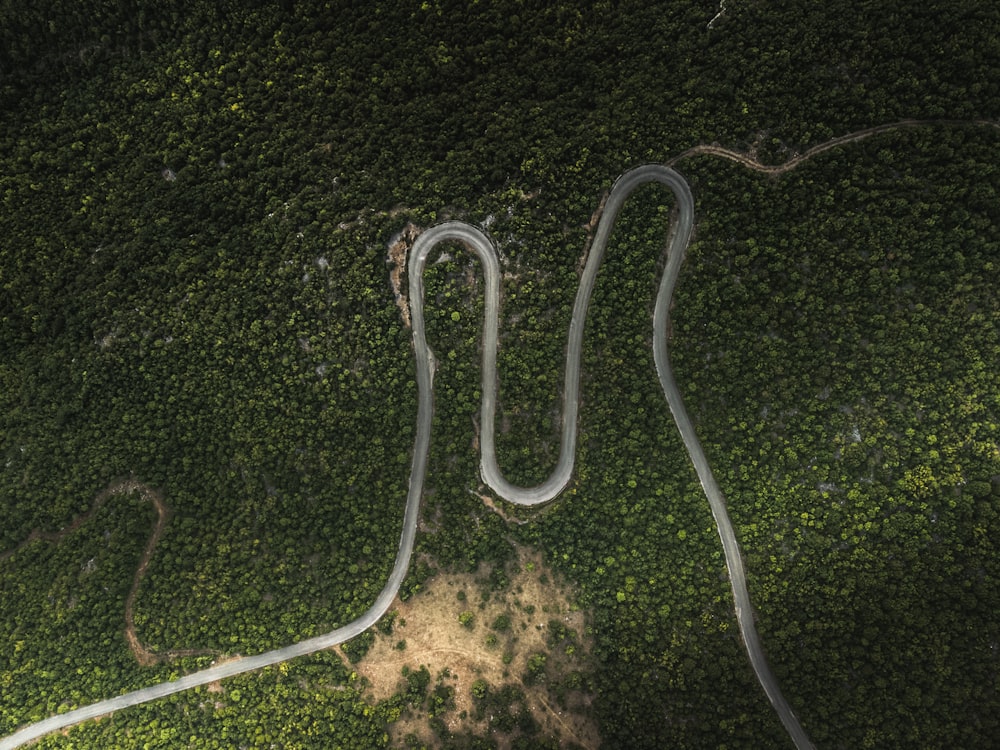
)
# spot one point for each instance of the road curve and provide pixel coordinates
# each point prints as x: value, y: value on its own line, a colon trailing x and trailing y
x: 480, y: 245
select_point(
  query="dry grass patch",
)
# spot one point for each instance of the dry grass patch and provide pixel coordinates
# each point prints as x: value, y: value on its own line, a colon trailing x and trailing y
x: 506, y: 629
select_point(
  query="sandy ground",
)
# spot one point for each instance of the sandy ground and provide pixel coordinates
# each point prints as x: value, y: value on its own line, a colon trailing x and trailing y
x: 434, y: 637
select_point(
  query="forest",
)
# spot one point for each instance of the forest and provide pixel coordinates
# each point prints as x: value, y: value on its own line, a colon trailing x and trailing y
x: 196, y: 206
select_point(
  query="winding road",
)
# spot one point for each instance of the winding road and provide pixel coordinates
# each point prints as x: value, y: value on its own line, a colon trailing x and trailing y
x: 481, y: 246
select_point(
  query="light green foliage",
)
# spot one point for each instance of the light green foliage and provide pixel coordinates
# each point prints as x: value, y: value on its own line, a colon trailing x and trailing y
x: 307, y: 703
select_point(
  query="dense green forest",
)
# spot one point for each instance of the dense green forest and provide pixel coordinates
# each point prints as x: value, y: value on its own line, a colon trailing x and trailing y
x: 194, y: 293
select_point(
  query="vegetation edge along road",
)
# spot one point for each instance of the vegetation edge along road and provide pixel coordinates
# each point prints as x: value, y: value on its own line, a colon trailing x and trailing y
x: 475, y: 240
x: 549, y: 489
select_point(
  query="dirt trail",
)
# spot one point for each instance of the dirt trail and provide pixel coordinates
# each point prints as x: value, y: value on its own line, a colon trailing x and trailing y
x: 428, y: 630
x: 144, y: 656
x: 119, y: 487
x: 750, y: 162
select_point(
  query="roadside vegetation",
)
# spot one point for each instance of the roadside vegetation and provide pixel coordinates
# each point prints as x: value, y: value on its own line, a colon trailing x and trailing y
x: 196, y: 206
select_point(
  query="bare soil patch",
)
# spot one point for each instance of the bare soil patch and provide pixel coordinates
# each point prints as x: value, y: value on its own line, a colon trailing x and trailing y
x: 428, y: 632
x: 399, y: 249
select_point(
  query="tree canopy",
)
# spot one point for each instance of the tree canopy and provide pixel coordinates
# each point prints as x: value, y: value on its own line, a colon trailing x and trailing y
x: 196, y: 205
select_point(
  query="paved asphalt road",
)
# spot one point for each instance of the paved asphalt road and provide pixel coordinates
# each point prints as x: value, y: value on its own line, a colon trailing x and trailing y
x: 480, y: 245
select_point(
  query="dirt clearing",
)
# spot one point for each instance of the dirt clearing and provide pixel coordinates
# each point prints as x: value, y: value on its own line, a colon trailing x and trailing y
x: 475, y: 640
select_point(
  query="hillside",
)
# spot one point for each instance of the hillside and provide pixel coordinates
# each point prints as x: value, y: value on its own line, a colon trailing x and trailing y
x: 197, y: 304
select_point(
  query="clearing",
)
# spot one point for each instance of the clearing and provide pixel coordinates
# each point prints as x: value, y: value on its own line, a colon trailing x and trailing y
x: 532, y: 615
